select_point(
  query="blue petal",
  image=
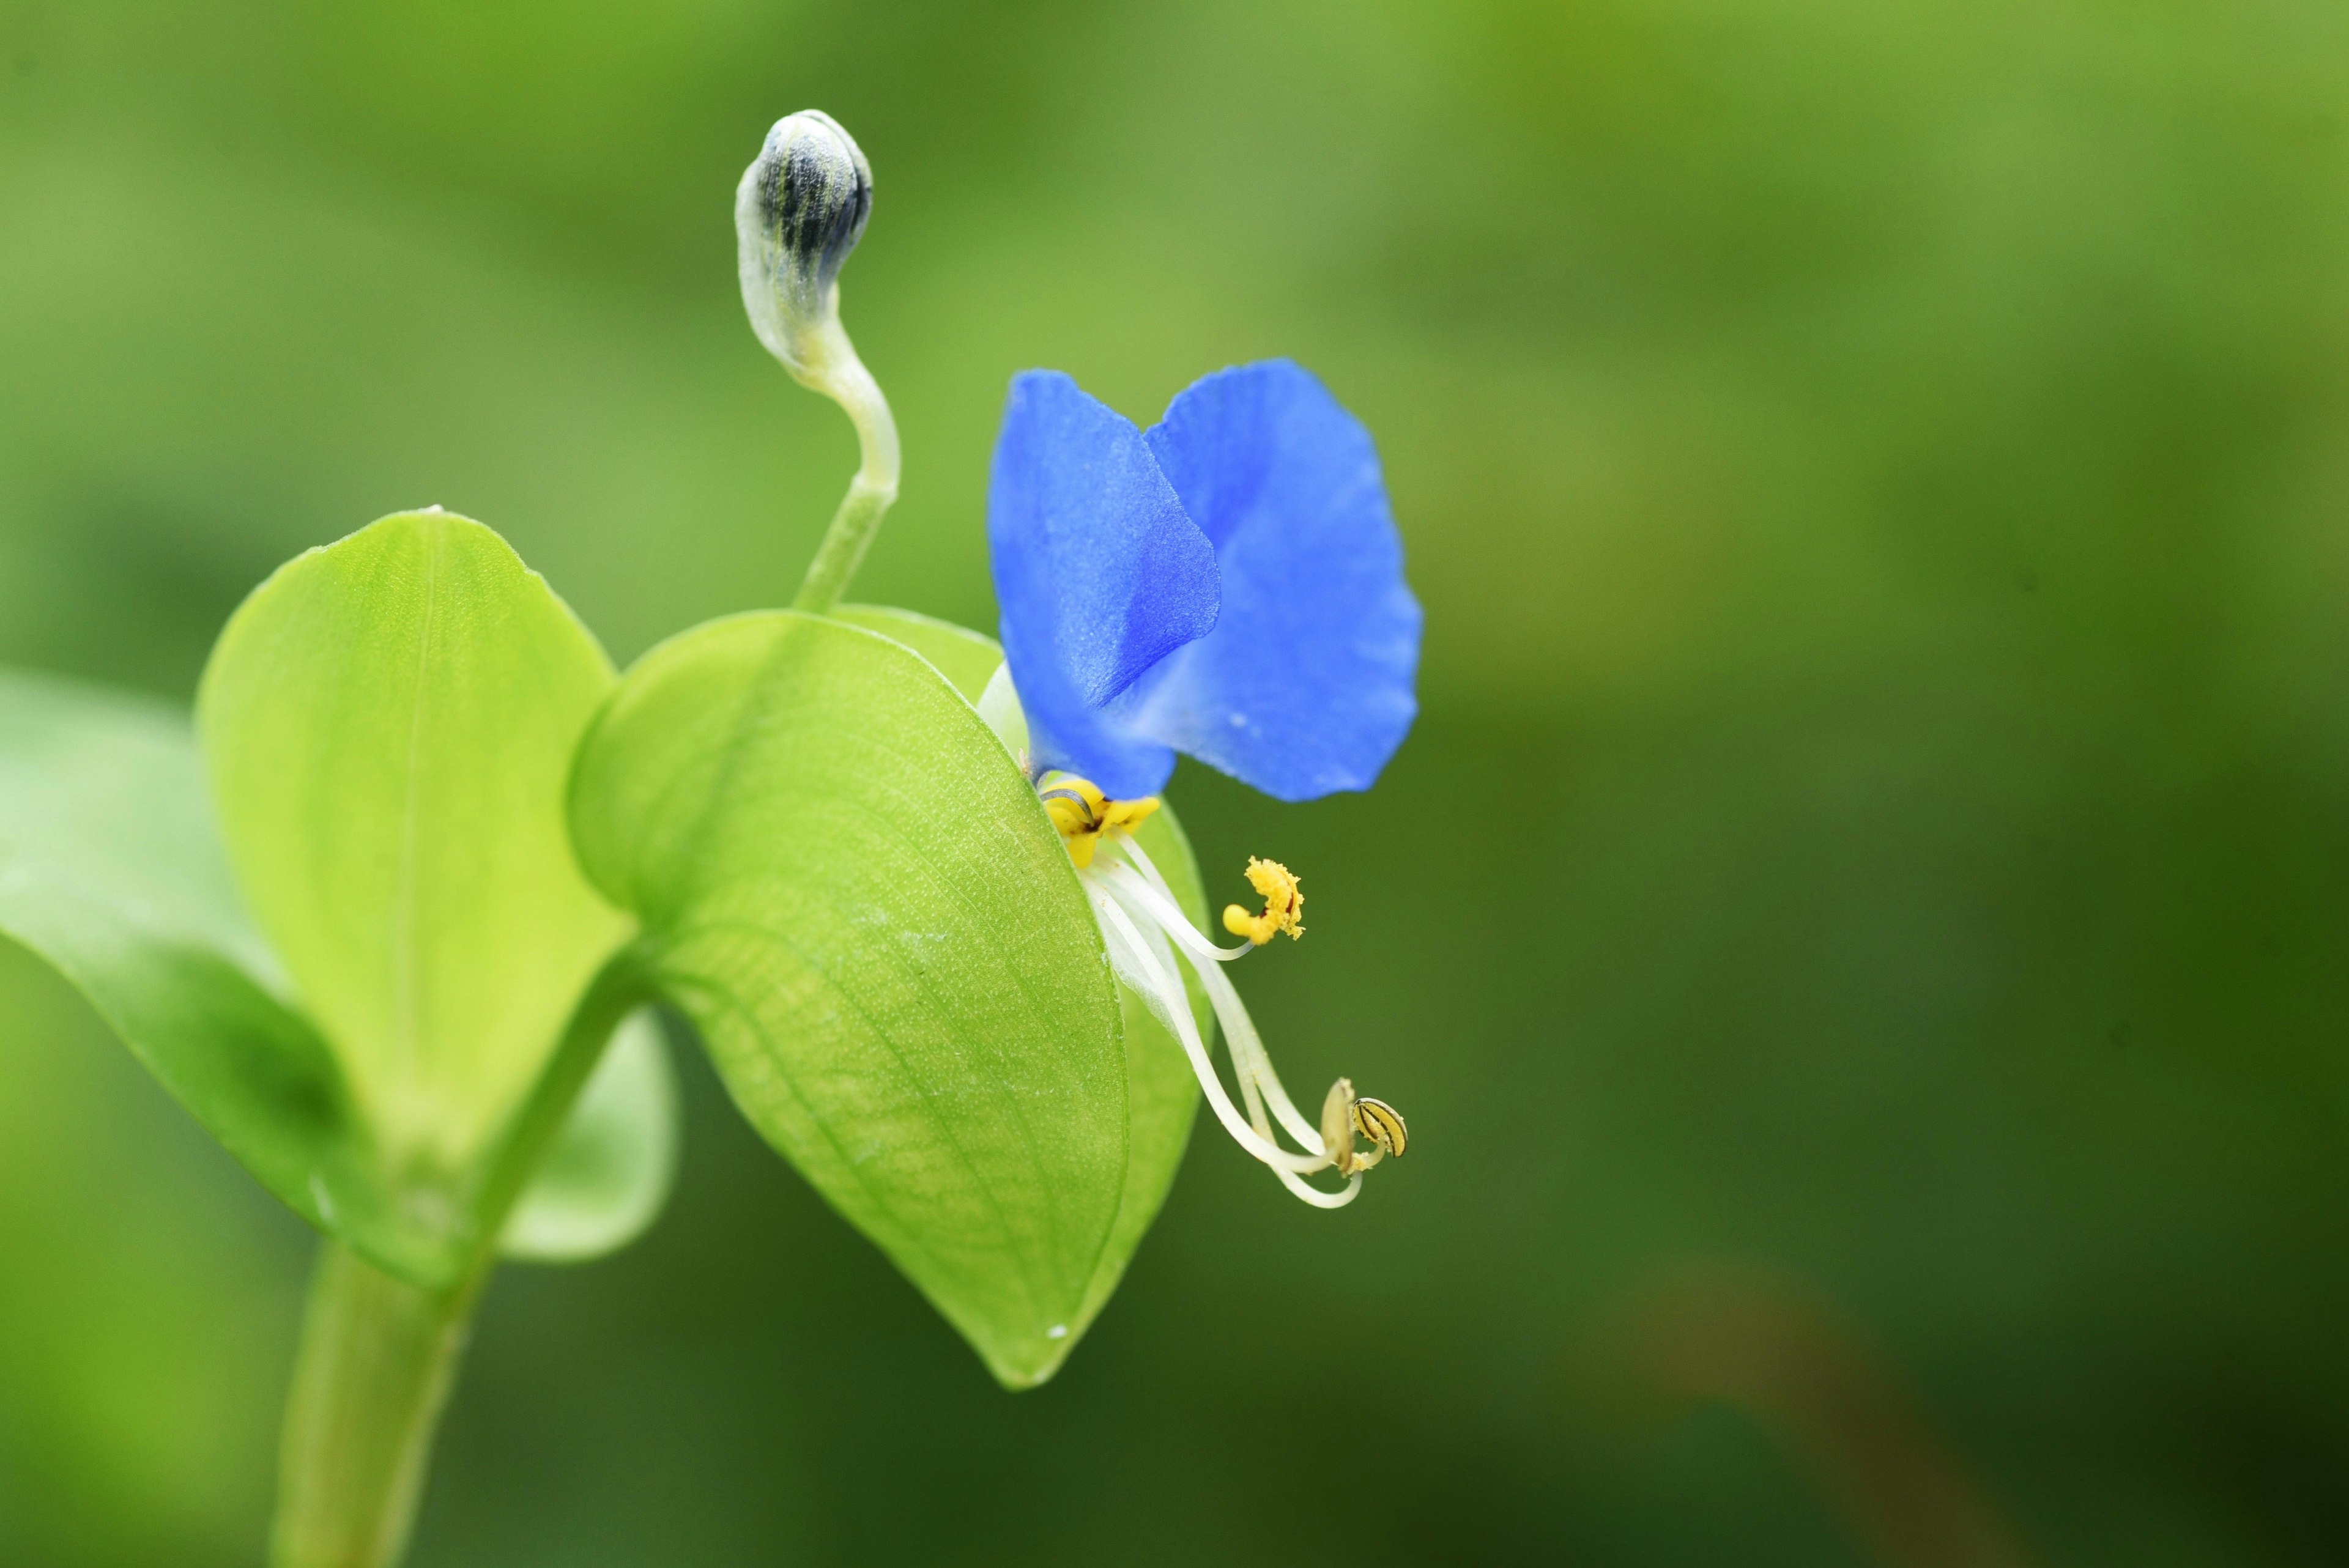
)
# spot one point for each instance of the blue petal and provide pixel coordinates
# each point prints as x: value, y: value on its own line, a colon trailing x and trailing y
x: 1099, y: 574
x: 1305, y: 686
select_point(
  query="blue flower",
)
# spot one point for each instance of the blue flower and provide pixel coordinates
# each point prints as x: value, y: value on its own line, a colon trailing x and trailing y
x: 1227, y: 583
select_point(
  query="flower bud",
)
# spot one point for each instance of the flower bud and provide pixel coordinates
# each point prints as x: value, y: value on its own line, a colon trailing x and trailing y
x: 799, y: 209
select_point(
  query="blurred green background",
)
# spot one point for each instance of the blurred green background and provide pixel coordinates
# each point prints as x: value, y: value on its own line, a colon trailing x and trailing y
x: 1859, y: 929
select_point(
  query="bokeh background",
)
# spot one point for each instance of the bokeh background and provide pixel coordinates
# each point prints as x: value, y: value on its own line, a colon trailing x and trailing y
x: 1859, y: 929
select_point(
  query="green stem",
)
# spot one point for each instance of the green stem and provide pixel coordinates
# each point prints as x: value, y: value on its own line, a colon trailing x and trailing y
x: 380, y: 1353
x: 836, y: 372
x: 378, y: 1358
x: 843, y: 546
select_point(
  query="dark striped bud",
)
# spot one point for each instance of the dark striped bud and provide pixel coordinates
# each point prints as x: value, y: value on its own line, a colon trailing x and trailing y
x: 799, y: 212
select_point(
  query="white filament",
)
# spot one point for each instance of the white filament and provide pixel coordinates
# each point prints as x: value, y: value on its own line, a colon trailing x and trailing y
x: 1163, y: 912
x: 1169, y: 912
x: 1158, y: 985
x: 1138, y: 917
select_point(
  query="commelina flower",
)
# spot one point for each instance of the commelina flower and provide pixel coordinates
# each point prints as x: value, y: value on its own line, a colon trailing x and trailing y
x: 1228, y: 584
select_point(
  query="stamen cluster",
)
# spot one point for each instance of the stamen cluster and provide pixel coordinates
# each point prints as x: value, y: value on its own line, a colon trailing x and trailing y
x: 1085, y: 816
x: 1145, y: 928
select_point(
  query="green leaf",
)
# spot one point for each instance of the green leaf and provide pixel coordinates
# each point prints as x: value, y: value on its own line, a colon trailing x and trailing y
x: 387, y: 724
x: 610, y: 1168
x: 112, y: 871
x: 847, y: 885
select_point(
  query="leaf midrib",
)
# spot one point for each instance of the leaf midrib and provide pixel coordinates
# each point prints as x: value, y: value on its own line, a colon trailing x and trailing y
x: 404, y: 898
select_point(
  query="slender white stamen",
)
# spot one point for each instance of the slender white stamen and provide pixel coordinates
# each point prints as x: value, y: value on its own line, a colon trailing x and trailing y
x: 1175, y: 1008
x: 1143, y: 927
x: 1163, y: 910
x: 1250, y: 1061
x: 1318, y: 1198
x: 1241, y: 1030
x: 1256, y: 1076
x: 1173, y: 910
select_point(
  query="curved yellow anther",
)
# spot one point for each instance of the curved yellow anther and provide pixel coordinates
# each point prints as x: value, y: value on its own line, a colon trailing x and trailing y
x: 1382, y: 1124
x: 1085, y: 816
x: 1284, y: 904
x: 1346, y: 1116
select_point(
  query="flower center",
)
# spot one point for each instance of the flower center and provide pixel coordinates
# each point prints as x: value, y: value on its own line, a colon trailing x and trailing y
x: 1146, y: 933
x: 1086, y: 817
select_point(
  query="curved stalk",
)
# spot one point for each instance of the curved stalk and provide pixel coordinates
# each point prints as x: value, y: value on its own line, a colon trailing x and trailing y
x: 833, y: 368
x: 379, y: 1355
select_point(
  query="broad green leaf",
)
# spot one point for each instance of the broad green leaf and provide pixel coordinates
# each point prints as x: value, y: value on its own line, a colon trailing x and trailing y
x: 609, y: 1170
x: 387, y: 724
x: 111, y: 869
x: 1161, y: 1095
x: 846, y: 884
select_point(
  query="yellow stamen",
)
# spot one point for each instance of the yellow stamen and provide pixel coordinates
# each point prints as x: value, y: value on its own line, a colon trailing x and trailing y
x: 1284, y: 904
x: 1346, y: 1115
x: 1085, y: 817
x: 1381, y: 1124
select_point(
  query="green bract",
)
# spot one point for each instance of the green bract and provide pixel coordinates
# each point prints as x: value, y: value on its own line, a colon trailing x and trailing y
x: 846, y: 883
x: 1161, y: 1095
x: 965, y: 658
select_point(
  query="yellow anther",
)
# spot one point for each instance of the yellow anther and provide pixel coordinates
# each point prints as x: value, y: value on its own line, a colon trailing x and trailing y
x: 1381, y: 1124
x: 1346, y: 1116
x: 1074, y: 804
x: 1086, y: 817
x: 1284, y: 904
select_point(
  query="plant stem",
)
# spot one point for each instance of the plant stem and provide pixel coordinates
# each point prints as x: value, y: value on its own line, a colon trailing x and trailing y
x: 838, y: 373
x: 380, y: 1353
x: 378, y: 1358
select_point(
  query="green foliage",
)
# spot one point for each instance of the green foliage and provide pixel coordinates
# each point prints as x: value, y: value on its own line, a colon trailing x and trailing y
x: 387, y: 723
x: 842, y: 877
x: 849, y: 887
x: 111, y: 869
